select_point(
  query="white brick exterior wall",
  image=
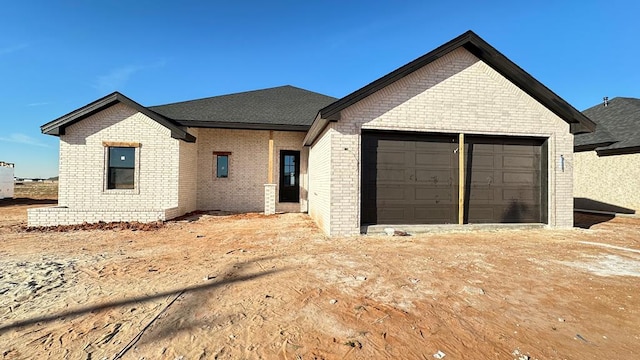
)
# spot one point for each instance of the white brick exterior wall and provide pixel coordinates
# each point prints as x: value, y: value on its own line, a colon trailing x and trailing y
x: 457, y: 93
x: 610, y: 179
x: 320, y: 181
x: 188, y: 176
x: 243, y: 190
x: 304, y: 179
x: 82, y: 190
x: 173, y: 177
x: 52, y: 216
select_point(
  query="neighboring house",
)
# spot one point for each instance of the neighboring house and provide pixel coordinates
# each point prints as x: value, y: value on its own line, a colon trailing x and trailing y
x: 460, y: 135
x: 6, y: 180
x: 607, y: 161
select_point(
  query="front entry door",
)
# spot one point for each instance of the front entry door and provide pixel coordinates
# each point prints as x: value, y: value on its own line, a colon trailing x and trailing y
x: 289, y: 176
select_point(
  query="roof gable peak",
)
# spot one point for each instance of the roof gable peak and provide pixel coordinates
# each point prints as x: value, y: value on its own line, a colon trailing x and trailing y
x: 488, y: 54
x: 58, y: 126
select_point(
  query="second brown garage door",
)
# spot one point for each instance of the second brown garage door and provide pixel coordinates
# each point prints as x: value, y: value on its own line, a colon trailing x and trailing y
x: 410, y: 178
x: 505, y: 180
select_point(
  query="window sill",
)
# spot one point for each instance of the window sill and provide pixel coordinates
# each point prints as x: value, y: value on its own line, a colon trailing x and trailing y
x: 121, y: 192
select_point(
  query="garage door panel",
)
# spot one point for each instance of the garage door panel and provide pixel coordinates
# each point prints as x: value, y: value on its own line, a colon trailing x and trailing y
x: 392, y: 174
x: 520, y: 194
x: 507, y: 189
x: 394, y: 214
x: 520, y: 178
x: 434, y: 143
x: 483, y: 148
x: 522, y: 149
x: 390, y: 145
x: 433, y: 159
x: 413, y: 178
x: 515, y: 162
x: 516, y: 212
x: 391, y: 193
x: 391, y: 157
x: 435, y: 214
x: 483, y: 193
x: 482, y: 214
x: 483, y: 160
x: 483, y: 178
x: 434, y: 193
x: 435, y: 177
x: 520, y: 212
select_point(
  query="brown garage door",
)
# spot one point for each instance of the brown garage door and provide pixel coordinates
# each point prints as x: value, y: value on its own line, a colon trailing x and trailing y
x: 409, y: 179
x: 413, y: 179
x: 505, y: 180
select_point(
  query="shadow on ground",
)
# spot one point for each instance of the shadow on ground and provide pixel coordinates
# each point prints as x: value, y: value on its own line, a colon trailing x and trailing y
x: 589, y: 212
x: 229, y: 278
x: 27, y: 201
x: 587, y: 220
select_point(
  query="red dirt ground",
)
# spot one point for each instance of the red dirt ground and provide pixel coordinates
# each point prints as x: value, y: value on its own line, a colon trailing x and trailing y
x: 274, y: 287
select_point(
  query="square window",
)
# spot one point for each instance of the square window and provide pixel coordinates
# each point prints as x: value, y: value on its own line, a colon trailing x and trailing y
x: 121, y: 167
x: 222, y: 166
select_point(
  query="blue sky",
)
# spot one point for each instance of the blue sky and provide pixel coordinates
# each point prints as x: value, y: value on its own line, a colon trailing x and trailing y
x: 56, y: 56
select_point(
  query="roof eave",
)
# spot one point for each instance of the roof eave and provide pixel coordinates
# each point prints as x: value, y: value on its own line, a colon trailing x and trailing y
x: 577, y: 128
x: 591, y: 147
x: 56, y: 127
x: 618, y: 151
x: 317, y: 127
x: 241, y: 125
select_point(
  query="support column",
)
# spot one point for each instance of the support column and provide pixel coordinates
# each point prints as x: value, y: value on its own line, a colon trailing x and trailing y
x: 461, y: 179
x: 270, y: 178
x: 269, y: 199
x: 270, y: 187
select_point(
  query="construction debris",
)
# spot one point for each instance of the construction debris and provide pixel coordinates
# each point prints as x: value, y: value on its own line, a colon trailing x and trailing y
x: 395, y: 232
x: 120, y: 225
x: 439, y: 355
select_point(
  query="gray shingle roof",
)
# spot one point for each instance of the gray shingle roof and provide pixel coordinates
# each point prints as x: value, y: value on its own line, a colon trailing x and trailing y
x: 618, y: 129
x: 285, y: 107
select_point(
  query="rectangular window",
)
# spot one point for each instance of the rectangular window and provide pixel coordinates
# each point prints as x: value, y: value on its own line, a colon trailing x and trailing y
x: 222, y: 166
x: 121, y: 163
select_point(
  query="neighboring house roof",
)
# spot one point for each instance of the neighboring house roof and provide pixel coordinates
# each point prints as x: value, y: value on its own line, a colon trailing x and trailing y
x: 578, y: 122
x: 285, y: 107
x: 57, y: 127
x: 618, y: 129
